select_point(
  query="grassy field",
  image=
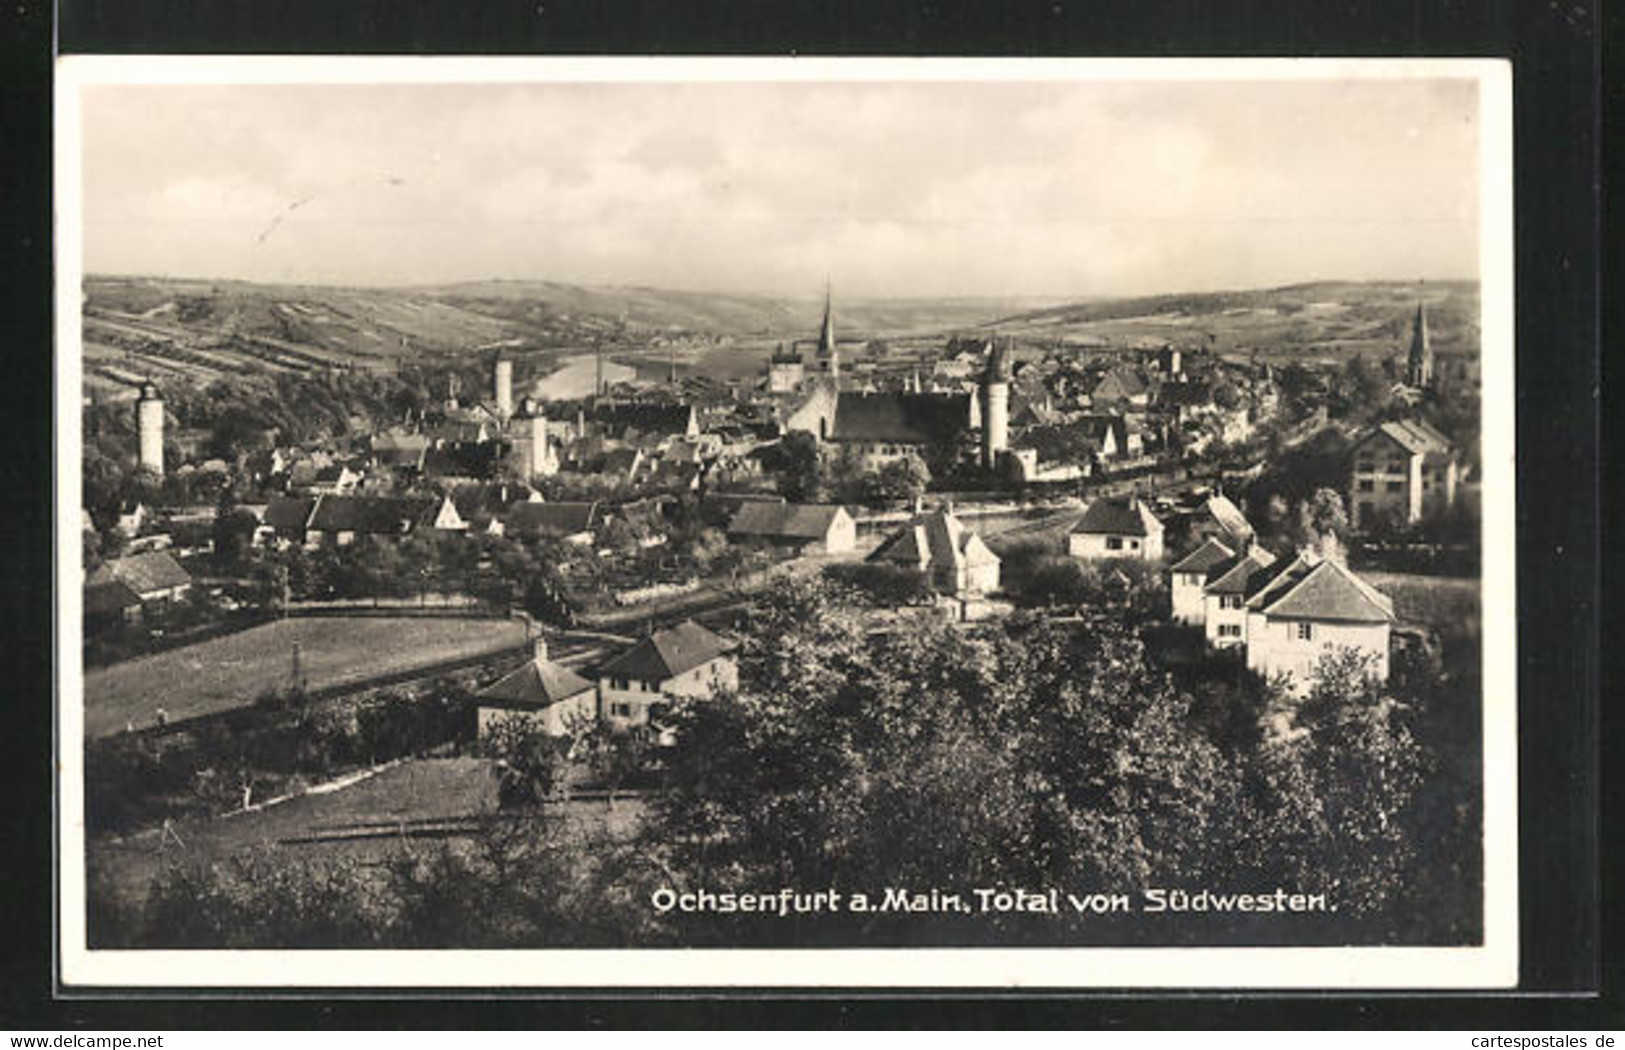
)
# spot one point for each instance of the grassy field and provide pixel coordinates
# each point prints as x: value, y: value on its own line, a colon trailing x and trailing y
x: 226, y: 672
x: 424, y: 789
x: 1447, y: 603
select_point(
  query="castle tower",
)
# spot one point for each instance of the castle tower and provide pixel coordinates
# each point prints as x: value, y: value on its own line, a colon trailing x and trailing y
x: 531, y: 445
x: 996, y: 404
x: 149, y: 422
x: 504, y: 386
x: 826, y: 339
x: 1419, y: 362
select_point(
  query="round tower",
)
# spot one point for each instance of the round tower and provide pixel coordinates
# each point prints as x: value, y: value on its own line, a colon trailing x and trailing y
x: 149, y: 423
x: 504, y: 386
x: 996, y: 405
x: 531, y: 444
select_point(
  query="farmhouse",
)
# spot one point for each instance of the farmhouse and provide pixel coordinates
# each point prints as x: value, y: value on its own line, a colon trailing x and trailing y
x: 574, y: 522
x: 953, y: 559
x: 153, y: 578
x: 1402, y: 471
x: 545, y: 695
x: 109, y: 604
x: 283, y: 523
x: 1117, y: 529
x: 338, y: 520
x: 687, y: 661
x: 812, y: 528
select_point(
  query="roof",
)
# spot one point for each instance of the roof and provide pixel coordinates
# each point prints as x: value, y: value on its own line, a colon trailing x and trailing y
x: 718, y: 508
x: 109, y: 596
x: 489, y: 498
x: 551, y: 519
x: 936, y: 540
x: 1232, y: 575
x: 143, y: 573
x: 789, y: 520
x: 1227, y: 514
x: 1329, y: 591
x: 1110, y: 517
x: 1415, y: 436
x: 642, y: 416
x: 898, y: 418
x: 377, y: 515
x: 1203, y: 558
x: 1120, y: 383
x: 667, y: 653
x: 288, y: 516
x: 536, y: 684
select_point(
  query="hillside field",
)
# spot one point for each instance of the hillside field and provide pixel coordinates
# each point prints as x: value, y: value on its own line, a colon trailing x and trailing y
x: 230, y: 671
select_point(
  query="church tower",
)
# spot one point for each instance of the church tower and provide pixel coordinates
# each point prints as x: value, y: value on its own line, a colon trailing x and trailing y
x: 1419, y: 362
x: 828, y: 355
x: 996, y: 404
x: 149, y: 424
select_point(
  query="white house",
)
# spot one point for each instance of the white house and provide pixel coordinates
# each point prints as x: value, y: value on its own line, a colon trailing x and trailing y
x: 1404, y: 470
x: 1314, y: 608
x: 1117, y: 529
x: 953, y: 558
x: 1190, y: 578
x: 1224, y: 597
x: 545, y: 695
x: 638, y: 686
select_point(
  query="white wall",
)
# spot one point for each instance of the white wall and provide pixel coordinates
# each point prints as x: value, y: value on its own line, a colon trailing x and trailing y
x: 1188, y: 603
x: 554, y: 720
x: 1092, y: 545
x: 700, y: 682
x: 1216, y: 617
x: 1273, y: 646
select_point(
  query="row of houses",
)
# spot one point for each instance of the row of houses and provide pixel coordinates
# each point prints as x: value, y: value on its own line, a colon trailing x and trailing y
x: 633, y: 690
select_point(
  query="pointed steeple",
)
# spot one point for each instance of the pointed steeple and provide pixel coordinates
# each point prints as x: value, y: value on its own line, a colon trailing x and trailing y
x: 826, y: 337
x: 1419, y: 361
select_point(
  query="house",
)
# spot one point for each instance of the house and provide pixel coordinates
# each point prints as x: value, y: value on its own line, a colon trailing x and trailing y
x: 545, y: 695
x: 1111, y: 435
x: 284, y: 521
x: 154, y: 577
x: 399, y: 451
x: 1313, y: 609
x: 637, y: 687
x: 109, y: 604
x: 1216, y: 517
x: 1126, y: 387
x: 573, y: 522
x: 629, y: 421
x: 1113, y: 528
x: 953, y: 559
x: 813, y: 528
x: 339, y: 520
x: 1402, y: 471
x: 717, y: 509
x: 1189, y: 578
x: 482, y: 503
x: 1224, y: 596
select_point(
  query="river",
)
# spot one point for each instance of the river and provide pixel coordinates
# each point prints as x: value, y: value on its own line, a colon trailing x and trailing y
x: 577, y: 377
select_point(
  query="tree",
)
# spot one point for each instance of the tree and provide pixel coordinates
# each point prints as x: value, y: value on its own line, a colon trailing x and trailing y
x: 234, y: 534
x: 797, y: 464
x: 1322, y: 524
x: 903, y: 480
x: 529, y: 764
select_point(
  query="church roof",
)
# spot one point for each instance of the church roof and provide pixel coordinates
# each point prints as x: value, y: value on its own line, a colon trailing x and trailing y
x: 902, y: 419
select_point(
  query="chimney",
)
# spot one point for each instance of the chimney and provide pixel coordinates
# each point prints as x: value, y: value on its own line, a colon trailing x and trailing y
x: 539, y: 648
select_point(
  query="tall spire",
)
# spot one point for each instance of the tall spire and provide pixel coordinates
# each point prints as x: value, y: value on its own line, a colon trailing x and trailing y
x: 826, y: 336
x: 1419, y: 362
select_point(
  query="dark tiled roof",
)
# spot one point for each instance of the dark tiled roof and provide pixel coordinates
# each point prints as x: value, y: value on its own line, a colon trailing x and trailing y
x: 1203, y: 558
x: 372, y: 515
x: 1232, y: 576
x: 535, y: 684
x: 1120, y: 383
x: 1109, y: 517
x: 902, y: 419
x: 645, y: 417
x: 288, y: 516
x: 719, y: 508
x: 488, y: 499
x: 109, y: 596
x: 787, y: 520
x: 143, y: 573
x: 667, y: 653
x: 551, y: 519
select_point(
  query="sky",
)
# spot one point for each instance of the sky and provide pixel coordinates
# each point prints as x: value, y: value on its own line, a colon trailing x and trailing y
x: 1051, y: 189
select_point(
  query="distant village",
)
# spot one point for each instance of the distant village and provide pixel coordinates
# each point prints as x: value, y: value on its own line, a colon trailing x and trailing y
x: 837, y: 453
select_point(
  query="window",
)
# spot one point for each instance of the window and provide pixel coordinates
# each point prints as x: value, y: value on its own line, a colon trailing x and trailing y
x: 1364, y: 464
x: 1305, y: 632
x: 1396, y: 486
x: 1114, y: 543
x: 1229, y: 601
x: 1367, y: 485
x: 620, y: 683
x: 1229, y: 630
x: 621, y: 710
x: 1367, y: 508
x: 1133, y: 545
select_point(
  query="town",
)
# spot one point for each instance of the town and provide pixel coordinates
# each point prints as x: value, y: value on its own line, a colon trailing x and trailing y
x: 623, y: 585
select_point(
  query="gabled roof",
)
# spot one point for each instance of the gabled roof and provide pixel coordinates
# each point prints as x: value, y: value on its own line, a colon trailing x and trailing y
x: 109, y: 596
x: 1110, y: 517
x: 373, y: 515
x: 719, y: 508
x: 646, y: 417
x: 1203, y: 558
x: 667, y: 653
x: 490, y: 498
x: 536, y: 684
x: 902, y: 419
x: 787, y: 520
x: 1232, y: 576
x: 1228, y: 516
x: 288, y: 516
x: 1120, y: 383
x: 143, y: 573
x: 551, y: 519
x: 1414, y: 435
x: 1329, y: 591
x: 933, y: 541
